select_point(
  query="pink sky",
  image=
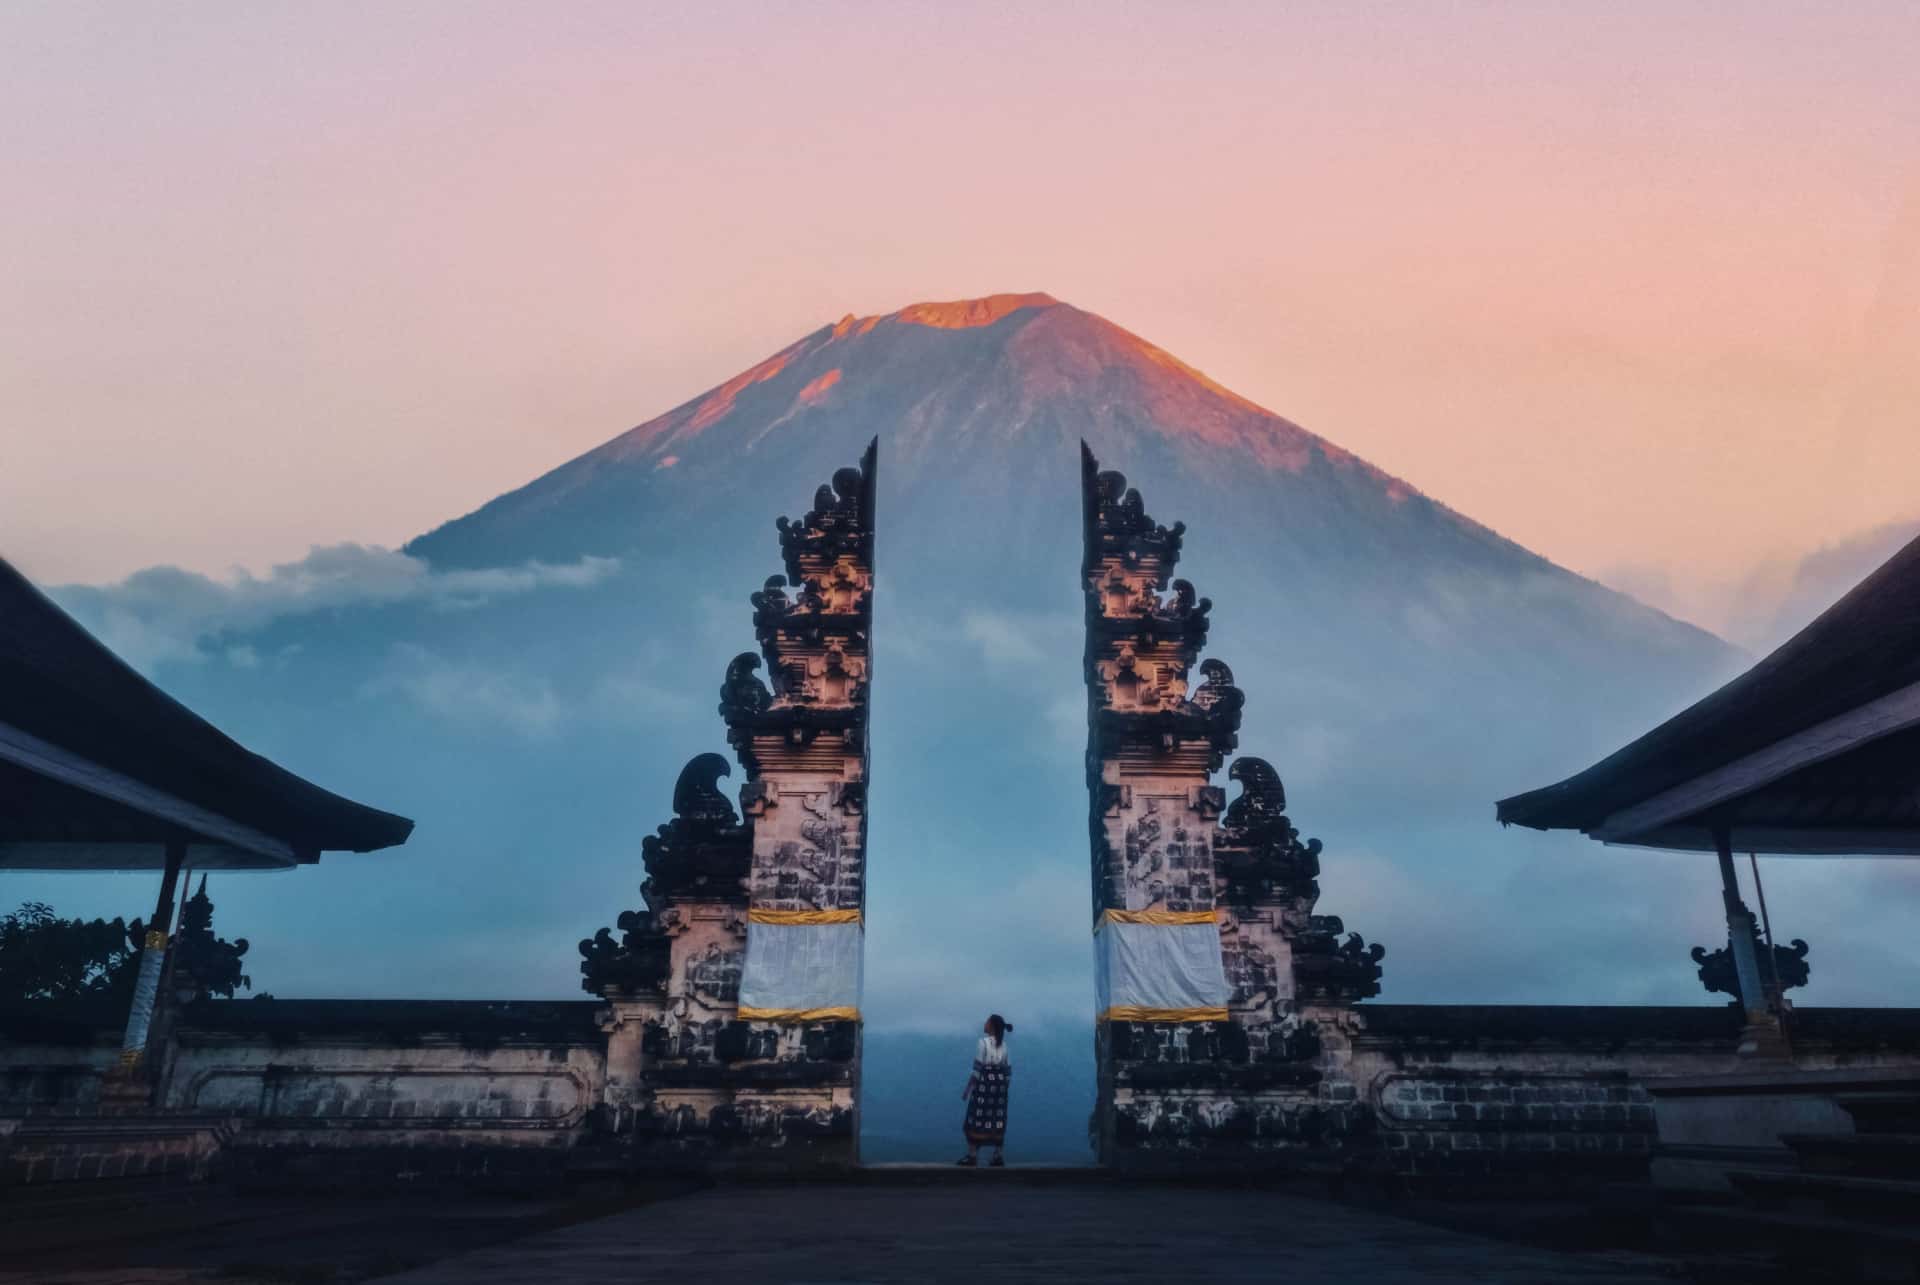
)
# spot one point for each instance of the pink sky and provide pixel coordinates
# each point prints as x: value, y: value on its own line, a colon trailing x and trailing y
x: 1636, y: 284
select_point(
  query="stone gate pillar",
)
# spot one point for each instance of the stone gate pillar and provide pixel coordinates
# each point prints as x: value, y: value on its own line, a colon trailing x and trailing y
x: 1152, y: 746
x: 803, y: 743
x: 742, y: 977
x: 1223, y: 1003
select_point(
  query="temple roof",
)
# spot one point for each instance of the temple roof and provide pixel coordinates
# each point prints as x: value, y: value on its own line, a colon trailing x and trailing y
x: 1810, y: 751
x: 99, y: 768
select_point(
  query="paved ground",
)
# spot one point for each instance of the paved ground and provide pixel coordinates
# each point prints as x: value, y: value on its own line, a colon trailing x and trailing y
x: 994, y: 1231
x: 143, y: 1234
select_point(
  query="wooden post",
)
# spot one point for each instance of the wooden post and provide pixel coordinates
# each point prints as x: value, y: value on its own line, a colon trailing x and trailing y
x: 1776, y: 993
x: 1762, y: 1032
x: 153, y: 954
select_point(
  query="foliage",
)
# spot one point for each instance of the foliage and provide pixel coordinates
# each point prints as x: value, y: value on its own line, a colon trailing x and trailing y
x: 46, y: 957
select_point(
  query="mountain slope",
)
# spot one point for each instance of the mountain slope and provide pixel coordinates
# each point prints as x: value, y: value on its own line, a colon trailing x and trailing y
x: 978, y: 405
x: 978, y: 379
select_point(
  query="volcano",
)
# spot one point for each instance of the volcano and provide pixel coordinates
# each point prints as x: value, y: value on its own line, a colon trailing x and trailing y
x: 980, y: 399
x: 1403, y: 667
x: 1345, y: 583
x: 977, y: 393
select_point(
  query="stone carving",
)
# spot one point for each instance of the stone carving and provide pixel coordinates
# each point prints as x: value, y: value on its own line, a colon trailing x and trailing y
x: 742, y: 694
x: 1168, y: 862
x: 1183, y: 616
x: 713, y: 978
x: 1118, y: 523
x: 640, y: 961
x: 840, y: 524
x: 1255, y: 975
x: 1261, y: 809
x: 1259, y: 854
x: 1329, y: 971
x: 208, y: 964
x: 1219, y: 703
x: 705, y: 851
x: 1718, y: 975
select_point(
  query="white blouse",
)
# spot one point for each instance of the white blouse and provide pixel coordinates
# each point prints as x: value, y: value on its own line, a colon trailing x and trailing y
x: 991, y: 1054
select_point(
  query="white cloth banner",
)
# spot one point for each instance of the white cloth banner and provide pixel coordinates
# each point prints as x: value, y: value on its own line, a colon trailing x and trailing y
x: 1158, y: 966
x: 798, y: 968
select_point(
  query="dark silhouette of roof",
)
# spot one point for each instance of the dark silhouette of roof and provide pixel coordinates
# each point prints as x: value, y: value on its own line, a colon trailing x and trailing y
x: 95, y: 758
x: 1863, y: 649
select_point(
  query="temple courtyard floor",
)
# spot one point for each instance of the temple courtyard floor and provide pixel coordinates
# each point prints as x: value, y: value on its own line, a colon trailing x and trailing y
x: 1003, y: 1232
x: 897, y: 1224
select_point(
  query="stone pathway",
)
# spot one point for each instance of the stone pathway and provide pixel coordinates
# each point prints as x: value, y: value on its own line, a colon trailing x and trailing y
x: 995, y: 1230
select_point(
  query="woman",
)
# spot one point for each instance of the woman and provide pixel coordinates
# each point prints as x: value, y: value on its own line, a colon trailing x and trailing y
x: 986, y: 1094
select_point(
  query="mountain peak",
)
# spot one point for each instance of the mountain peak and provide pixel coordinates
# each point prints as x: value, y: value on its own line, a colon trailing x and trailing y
x: 963, y: 314
x: 953, y: 314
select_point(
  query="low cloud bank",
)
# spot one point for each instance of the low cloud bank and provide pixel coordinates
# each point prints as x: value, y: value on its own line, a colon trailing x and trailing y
x: 166, y: 615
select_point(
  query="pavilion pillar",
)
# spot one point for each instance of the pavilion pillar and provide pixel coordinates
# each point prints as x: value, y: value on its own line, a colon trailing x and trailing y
x: 153, y: 956
x: 1762, y: 1035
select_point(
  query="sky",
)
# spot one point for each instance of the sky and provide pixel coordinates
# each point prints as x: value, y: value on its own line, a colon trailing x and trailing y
x: 1637, y: 285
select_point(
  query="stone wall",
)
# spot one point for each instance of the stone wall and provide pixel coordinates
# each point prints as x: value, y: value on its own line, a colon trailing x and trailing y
x: 1452, y: 1093
x: 313, y: 1091
x: 53, y: 1059
x: 1491, y: 1091
x: 350, y: 1092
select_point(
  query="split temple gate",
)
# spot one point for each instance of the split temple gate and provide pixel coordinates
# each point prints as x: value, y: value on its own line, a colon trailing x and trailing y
x: 725, y: 1031
x: 734, y: 1019
x: 1224, y: 1004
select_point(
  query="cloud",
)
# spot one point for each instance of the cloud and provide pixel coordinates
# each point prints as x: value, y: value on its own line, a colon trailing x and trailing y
x: 1001, y: 639
x: 1008, y: 640
x: 479, y: 694
x: 466, y: 693
x: 629, y: 694
x: 163, y: 615
x: 1773, y: 597
x: 1818, y: 581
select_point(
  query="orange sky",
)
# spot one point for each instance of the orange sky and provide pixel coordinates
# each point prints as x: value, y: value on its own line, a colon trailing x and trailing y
x: 1639, y: 288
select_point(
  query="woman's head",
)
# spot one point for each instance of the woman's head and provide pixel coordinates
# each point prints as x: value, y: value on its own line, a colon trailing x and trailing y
x: 998, y: 1027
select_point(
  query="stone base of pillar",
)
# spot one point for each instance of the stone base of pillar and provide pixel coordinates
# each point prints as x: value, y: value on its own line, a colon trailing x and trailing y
x: 626, y: 1092
x: 1762, y: 1039
x: 127, y: 1087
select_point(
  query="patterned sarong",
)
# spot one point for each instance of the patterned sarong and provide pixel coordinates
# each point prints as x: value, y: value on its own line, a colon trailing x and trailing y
x: 986, y: 1122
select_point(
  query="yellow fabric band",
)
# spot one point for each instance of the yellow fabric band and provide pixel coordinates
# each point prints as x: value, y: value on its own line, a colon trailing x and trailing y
x: 1136, y: 1013
x: 758, y: 916
x: 1164, y: 918
x: 799, y: 1014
